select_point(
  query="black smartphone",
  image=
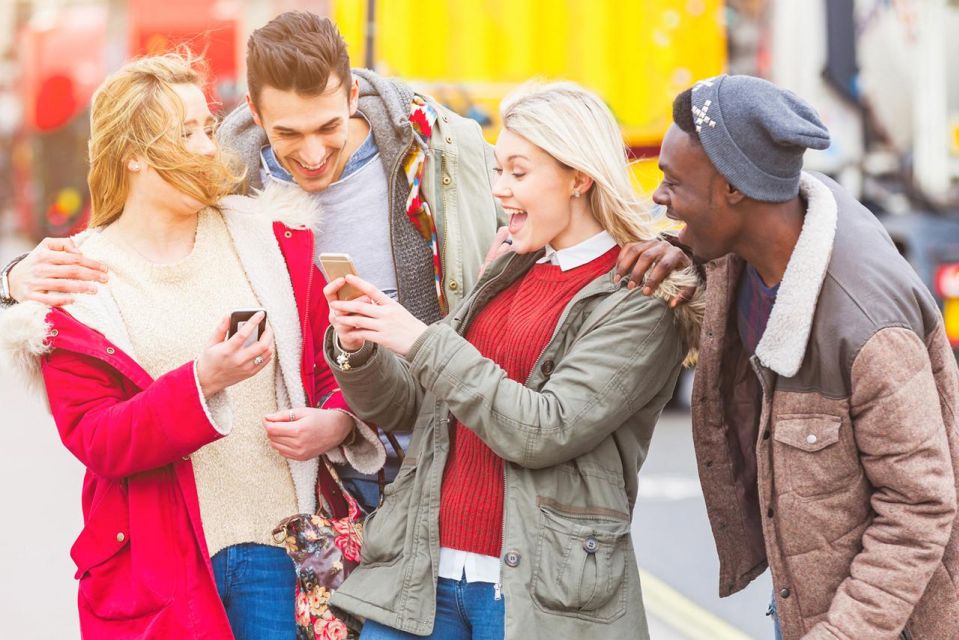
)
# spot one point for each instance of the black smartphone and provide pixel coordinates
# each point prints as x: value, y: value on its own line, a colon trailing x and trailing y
x: 240, y: 317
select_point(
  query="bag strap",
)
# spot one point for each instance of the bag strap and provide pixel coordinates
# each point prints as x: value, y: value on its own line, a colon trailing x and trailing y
x: 381, y: 475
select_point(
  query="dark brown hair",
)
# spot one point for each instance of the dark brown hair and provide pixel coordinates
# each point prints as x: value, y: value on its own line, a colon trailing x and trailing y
x: 296, y: 51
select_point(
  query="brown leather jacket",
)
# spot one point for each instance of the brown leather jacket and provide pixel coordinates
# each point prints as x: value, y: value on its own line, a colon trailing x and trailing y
x: 829, y: 455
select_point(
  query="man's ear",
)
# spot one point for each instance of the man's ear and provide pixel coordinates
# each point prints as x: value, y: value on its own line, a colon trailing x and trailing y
x: 253, y: 111
x: 354, y: 96
x: 733, y: 195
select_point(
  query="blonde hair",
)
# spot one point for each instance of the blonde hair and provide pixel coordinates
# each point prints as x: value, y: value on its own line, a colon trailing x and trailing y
x: 136, y: 112
x: 576, y: 128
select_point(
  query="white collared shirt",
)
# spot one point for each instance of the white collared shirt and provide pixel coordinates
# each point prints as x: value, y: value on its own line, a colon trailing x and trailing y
x: 476, y: 567
x: 579, y: 254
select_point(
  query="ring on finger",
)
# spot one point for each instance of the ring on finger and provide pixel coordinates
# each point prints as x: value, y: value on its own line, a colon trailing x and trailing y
x: 292, y: 415
x: 257, y: 361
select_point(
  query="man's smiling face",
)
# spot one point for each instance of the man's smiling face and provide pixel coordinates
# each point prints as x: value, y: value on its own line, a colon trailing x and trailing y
x: 308, y: 133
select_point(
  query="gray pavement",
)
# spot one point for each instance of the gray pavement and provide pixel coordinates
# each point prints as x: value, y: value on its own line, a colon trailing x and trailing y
x: 673, y: 539
x: 40, y: 500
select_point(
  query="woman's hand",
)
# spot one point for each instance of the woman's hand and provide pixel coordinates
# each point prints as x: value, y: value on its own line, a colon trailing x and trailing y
x: 346, y: 333
x: 225, y: 362
x: 375, y: 317
x: 303, y: 434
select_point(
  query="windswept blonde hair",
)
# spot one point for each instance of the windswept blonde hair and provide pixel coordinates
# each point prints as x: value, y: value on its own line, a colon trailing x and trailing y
x: 136, y: 112
x: 577, y: 128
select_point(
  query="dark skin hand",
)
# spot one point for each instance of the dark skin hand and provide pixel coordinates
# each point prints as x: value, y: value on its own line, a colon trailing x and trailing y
x: 657, y: 258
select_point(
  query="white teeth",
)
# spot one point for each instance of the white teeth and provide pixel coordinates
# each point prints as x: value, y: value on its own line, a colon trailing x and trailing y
x: 514, y: 211
x: 311, y: 168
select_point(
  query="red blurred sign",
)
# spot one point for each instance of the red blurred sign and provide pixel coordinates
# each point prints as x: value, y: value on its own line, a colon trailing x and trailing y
x: 61, y: 69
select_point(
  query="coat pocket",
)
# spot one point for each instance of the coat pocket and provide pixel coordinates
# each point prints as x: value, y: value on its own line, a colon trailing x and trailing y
x: 384, y: 532
x: 111, y: 583
x: 813, y: 456
x: 580, y: 562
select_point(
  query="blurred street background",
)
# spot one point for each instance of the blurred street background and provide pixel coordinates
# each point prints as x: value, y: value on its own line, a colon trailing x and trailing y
x: 877, y: 71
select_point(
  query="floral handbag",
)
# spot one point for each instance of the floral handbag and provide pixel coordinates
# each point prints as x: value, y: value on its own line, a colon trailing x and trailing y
x: 324, y: 550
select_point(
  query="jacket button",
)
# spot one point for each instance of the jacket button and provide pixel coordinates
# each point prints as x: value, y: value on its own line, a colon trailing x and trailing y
x: 121, y: 537
x: 447, y: 180
x: 287, y: 234
x: 446, y: 118
x: 54, y: 333
x: 449, y: 139
x: 811, y: 439
x: 547, y: 367
x: 590, y: 545
x: 785, y: 593
x: 185, y: 458
x: 454, y: 285
x: 111, y: 350
x: 511, y: 559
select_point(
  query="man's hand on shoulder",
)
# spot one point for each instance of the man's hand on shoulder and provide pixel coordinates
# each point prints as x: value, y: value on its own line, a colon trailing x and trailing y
x: 53, y: 273
x: 655, y: 260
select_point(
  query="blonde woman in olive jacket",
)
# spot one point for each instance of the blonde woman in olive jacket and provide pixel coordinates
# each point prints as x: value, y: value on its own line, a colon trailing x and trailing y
x: 532, y: 405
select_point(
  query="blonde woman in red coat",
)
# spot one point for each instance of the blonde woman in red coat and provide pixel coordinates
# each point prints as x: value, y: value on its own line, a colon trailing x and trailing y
x: 183, y: 486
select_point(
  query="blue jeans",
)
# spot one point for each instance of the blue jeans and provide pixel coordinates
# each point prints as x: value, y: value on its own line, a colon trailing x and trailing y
x: 257, y: 584
x: 775, y: 616
x: 464, y: 611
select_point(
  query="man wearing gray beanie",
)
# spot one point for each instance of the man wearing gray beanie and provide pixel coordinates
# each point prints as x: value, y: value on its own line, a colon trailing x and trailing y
x: 825, y: 400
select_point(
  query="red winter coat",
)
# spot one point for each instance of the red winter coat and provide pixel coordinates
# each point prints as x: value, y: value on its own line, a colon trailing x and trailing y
x: 142, y: 560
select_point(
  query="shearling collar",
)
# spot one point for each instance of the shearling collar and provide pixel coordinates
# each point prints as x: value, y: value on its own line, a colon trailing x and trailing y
x: 783, y: 344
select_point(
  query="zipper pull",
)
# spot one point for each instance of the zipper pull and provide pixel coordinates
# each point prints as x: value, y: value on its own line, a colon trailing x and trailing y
x: 497, y: 591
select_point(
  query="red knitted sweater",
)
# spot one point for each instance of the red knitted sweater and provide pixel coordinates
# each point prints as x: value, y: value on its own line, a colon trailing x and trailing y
x: 512, y: 331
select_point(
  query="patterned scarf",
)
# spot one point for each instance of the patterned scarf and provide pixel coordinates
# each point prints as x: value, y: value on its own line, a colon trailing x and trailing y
x: 422, y: 118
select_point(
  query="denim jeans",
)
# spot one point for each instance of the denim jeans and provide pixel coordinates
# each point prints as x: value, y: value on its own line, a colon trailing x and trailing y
x: 464, y: 611
x: 257, y: 584
x: 771, y: 611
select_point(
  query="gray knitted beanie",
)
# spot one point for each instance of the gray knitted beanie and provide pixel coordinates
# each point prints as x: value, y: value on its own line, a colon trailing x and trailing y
x: 756, y: 133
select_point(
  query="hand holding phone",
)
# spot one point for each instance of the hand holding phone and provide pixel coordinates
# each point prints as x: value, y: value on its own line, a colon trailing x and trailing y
x: 240, y: 317
x: 226, y: 361
x: 340, y: 265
